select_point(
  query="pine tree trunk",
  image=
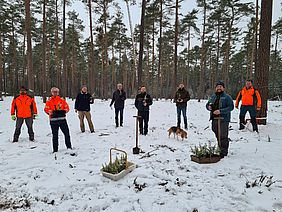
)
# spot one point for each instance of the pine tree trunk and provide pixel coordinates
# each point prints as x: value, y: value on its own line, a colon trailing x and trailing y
x: 174, y: 77
x: 160, y: 84
x: 188, y: 57
x: 141, y: 43
x: 274, y: 66
x: 64, y: 77
x: 262, y: 73
x: 203, y: 58
x: 43, y: 74
x: 29, y: 46
x: 135, y: 74
x: 1, y: 68
x: 57, y: 62
x: 91, y: 79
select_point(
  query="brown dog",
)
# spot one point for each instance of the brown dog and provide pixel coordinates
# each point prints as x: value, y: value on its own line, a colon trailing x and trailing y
x: 172, y: 130
x: 178, y: 132
x: 182, y: 133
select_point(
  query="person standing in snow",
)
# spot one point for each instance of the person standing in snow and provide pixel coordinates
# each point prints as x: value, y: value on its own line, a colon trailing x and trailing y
x: 142, y: 102
x: 220, y: 106
x: 82, y: 106
x: 57, y: 108
x: 181, y: 98
x: 119, y: 97
x: 251, y: 101
x: 23, y: 109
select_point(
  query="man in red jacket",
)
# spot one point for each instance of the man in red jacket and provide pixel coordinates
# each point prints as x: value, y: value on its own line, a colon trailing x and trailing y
x: 56, y: 108
x: 23, y: 109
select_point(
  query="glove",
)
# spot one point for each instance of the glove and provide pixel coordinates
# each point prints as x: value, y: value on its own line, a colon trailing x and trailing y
x: 13, y: 117
x: 35, y: 115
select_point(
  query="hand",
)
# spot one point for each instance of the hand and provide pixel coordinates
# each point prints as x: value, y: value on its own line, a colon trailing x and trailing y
x: 75, y: 110
x: 258, y: 108
x: 236, y: 107
x: 35, y: 115
x: 50, y: 112
x: 13, y: 117
x: 145, y: 104
x: 216, y: 112
x: 210, y: 107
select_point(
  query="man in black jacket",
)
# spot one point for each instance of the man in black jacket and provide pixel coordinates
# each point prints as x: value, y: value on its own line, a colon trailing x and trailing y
x: 142, y: 102
x: 181, y: 98
x: 82, y: 106
x: 119, y: 96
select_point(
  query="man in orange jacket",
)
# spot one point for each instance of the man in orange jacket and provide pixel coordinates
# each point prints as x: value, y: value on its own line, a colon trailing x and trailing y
x: 57, y: 108
x: 23, y: 109
x: 251, y: 102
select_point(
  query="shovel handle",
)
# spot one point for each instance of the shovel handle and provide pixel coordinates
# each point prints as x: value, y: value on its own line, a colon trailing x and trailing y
x: 118, y: 150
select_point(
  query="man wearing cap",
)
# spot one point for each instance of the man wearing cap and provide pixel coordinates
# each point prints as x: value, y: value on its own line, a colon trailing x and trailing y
x: 57, y: 108
x: 220, y: 106
x: 23, y: 109
x: 82, y: 106
x: 251, y: 102
x: 119, y: 97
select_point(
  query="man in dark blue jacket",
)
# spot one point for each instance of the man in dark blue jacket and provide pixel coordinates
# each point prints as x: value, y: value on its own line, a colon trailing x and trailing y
x: 220, y: 106
x: 119, y: 96
x: 142, y: 102
x: 82, y: 106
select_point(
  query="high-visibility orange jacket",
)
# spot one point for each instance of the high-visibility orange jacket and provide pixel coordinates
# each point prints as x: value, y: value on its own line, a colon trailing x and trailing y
x: 249, y: 97
x: 23, y: 106
x: 56, y: 107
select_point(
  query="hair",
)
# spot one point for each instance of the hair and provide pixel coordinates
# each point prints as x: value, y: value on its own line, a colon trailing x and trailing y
x: 55, y: 89
x: 249, y: 80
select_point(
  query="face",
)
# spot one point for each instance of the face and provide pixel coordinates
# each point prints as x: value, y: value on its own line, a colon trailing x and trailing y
x: 84, y: 89
x: 181, y: 86
x: 119, y: 86
x: 55, y: 92
x: 143, y: 89
x: 219, y: 88
x: 248, y: 84
x: 22, y: 92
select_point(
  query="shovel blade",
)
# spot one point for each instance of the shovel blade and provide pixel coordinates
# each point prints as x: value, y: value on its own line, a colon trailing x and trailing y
x: 136, y: 150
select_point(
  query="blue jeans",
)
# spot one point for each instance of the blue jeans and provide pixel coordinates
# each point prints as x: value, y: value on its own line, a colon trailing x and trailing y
x: 183, y: 110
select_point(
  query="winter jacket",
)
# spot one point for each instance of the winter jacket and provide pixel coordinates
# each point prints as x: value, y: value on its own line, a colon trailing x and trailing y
x: 56, y: 108
x: 83, y: 101
x: 140, y: 99
x: 249, y: 97
x: 225, y: 104
x: 24, y: 106
x: 118, y: 98
x: 181, y: 94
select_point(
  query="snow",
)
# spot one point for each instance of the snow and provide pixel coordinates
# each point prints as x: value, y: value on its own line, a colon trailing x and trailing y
x: 30, y: 172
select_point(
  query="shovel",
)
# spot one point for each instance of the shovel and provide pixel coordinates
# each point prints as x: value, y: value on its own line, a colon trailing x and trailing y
x: 136, y: 149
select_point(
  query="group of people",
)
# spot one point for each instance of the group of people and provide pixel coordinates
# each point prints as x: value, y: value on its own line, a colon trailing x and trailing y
x: 220, y: 105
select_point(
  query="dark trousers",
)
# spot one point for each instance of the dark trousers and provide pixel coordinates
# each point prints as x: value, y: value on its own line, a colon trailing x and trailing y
x: 144, y: 119
x: 119, y: 111
x: 62, y: 124
x: 221, y: 133
x: 19, y: 123
x: 252, y: 110
x: 183, y: 110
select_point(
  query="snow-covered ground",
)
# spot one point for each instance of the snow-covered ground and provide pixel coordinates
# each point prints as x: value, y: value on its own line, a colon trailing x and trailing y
x: 31, y: 178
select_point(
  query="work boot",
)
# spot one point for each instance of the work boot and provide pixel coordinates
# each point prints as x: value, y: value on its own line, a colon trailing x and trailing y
x: 242, y: 123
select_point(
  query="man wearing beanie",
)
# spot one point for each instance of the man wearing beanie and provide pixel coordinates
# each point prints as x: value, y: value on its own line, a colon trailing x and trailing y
x: 220, y: 106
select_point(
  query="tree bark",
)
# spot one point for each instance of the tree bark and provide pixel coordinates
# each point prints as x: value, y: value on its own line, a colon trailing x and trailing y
x: 174, y: 78
x: 43, y: 74
x: 29, y: 46
x: 91, y: 79
x: 160, y: 51
x: 141, y: 43
x: 203, y: 58
x: 64, y: 78
x: 262, y: 74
